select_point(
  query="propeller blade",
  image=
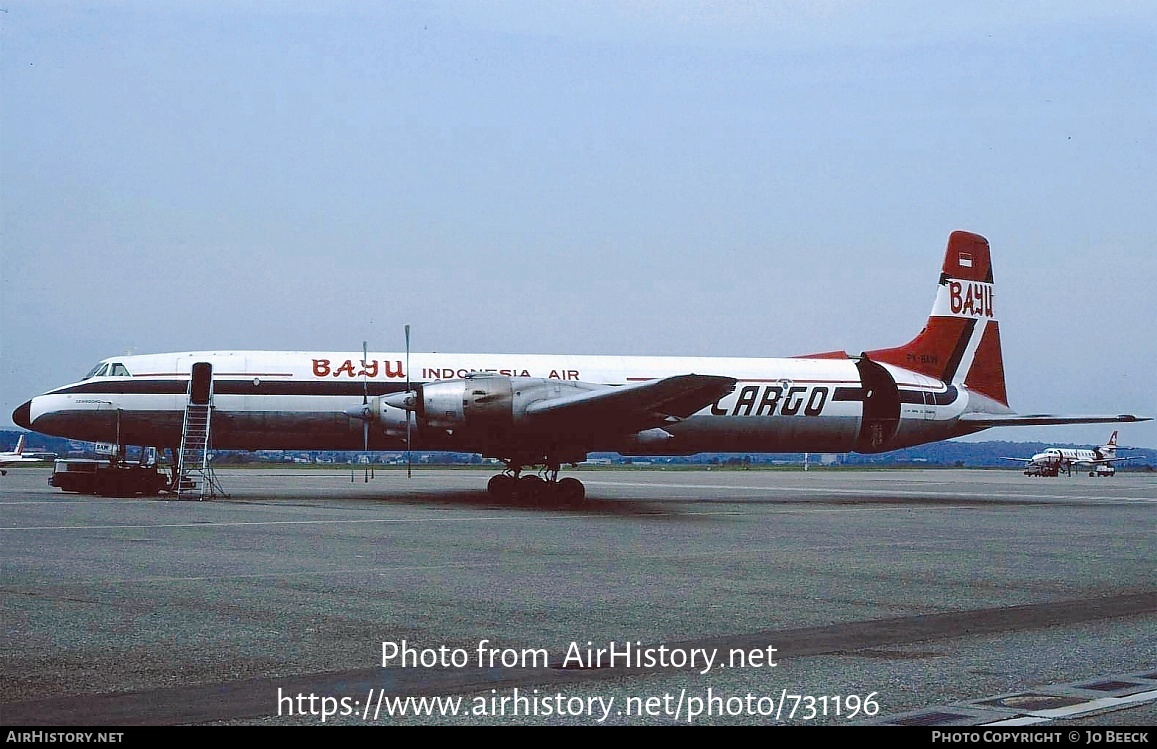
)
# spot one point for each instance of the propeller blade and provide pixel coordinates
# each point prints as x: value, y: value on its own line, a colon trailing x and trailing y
x: 365, y: 400
x: 409, y: 472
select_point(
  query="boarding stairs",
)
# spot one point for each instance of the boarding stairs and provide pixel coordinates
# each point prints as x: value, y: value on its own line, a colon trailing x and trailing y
x: 195, y: 479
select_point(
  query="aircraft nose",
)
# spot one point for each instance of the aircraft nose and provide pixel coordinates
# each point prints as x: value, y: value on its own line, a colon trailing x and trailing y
x: 22, y: 416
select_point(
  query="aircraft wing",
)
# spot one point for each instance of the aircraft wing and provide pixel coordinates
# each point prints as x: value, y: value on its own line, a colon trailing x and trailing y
x: 21, y: 459
x: 632, y: 407
x: 1002, y: 420
x: 1022, y: 460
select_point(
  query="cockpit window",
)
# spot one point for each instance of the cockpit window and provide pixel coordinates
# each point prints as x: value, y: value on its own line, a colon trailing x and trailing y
x: 97, y: 371
x: 118, y: 370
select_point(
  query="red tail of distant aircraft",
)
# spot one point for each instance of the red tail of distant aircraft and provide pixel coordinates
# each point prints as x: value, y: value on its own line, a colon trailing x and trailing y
x: 16, y: 456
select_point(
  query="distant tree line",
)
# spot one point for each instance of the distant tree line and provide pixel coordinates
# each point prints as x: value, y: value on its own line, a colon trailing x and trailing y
x: 945, y: 454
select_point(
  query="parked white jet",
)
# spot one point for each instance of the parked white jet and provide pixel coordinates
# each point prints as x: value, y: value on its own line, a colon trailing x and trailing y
x: 1055, y: 460
x: 545, y: 411
x: 17, y: 456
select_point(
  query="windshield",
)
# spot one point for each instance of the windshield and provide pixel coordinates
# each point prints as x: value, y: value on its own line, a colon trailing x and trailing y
x: 96, y: 371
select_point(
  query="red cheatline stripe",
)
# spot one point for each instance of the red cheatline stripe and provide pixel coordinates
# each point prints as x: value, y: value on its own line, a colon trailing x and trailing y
x: 218, y: 374
x: 776, y: 380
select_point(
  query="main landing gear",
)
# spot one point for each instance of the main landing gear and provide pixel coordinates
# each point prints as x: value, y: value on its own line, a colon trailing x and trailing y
x: 532, y: 489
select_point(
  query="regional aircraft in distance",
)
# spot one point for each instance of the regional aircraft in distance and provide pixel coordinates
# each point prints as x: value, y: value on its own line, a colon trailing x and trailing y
x: 541, y: 412
x: 17, y: 456
x: 1055, y: 460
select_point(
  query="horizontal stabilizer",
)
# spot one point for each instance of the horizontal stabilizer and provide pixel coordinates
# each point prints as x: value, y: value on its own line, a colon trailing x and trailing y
x: 1008, y: 420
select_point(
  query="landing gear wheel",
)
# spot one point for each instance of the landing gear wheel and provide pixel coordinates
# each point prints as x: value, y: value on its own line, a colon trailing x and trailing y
x: 501, y: 487
x: 571, y: 491
x: 531, y: 490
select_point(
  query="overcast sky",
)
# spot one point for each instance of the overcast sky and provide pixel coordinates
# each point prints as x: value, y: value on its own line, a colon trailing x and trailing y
x: 670, y: 178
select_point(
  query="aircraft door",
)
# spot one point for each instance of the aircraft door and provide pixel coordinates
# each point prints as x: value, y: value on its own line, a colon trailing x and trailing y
x: 881, y: 416
x: 201, y: 383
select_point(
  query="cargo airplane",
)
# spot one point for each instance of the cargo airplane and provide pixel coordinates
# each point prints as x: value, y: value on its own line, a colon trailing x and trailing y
x: 541, y: 412
x: 1055, y: 460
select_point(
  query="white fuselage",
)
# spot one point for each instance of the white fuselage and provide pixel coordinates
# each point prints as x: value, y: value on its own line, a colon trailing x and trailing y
x: 301, y: 400
x: 14, y: 457
x: 1072, y: 456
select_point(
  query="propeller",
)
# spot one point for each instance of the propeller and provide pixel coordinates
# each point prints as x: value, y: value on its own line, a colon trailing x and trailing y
x: 364, y: 414
x: 404, y: 400
x: 365, y: 409
x: 409, y: 466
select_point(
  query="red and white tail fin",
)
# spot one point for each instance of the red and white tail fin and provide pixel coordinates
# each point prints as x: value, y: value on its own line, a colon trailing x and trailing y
x: 1112, y: 443
x: 19, y: 446
x: 961, y: 342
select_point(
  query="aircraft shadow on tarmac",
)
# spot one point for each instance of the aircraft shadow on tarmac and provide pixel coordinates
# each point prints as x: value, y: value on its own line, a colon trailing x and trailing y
x: 472, y: 499
x: 482, y: 499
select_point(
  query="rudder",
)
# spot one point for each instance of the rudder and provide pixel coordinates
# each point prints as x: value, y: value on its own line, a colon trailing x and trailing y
x: 961, y: 341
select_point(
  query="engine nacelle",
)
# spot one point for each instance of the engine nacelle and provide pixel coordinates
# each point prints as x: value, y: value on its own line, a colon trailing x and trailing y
x: 393, y: 420
x: 484, y: 406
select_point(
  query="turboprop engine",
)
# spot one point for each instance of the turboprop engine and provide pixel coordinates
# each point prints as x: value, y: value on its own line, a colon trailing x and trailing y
x: 483, y: 405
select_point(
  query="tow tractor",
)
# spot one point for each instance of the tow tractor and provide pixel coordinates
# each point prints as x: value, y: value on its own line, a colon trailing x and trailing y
x: 110, y: 477
x: 1042, y: 469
